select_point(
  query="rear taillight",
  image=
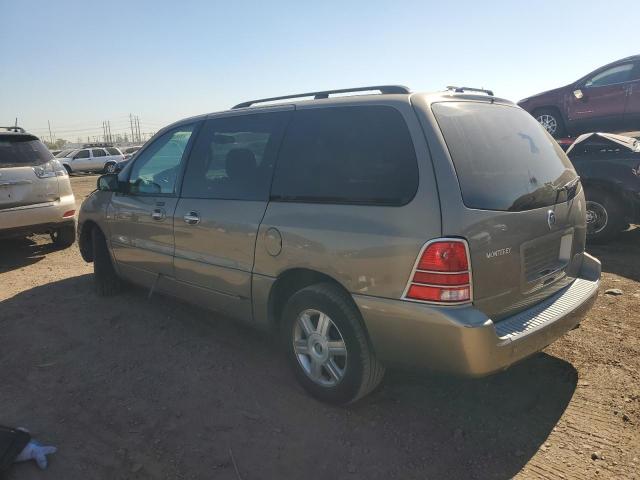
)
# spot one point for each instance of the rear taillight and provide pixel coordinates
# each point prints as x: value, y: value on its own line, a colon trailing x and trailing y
x: 442, y: 273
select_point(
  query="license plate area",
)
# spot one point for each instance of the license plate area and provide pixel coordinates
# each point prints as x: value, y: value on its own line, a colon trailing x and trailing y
x: 545, y: 259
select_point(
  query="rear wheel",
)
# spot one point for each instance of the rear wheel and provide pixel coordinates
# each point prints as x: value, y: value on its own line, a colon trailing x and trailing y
x: 605, y: 217
x: 105, y: 278
x: 327, y: 346
x: 552, y: 122
x: 64, y: 237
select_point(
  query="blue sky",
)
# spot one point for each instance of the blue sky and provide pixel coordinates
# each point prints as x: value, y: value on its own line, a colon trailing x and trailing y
x: 77, y: 63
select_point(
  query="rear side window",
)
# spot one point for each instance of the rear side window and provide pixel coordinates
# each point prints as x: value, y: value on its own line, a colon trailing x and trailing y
x: 359, y: 155
x: 503, y: 157
x: 233, y: 157
x: 22, y: 151
x: 98, y: 152
x: 113, y: 151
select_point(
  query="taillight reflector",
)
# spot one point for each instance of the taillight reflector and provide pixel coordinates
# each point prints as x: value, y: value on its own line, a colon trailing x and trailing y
x: 441, y: 273
x: 438, y: 294
x: 440, y: 278
x: 69, y: 213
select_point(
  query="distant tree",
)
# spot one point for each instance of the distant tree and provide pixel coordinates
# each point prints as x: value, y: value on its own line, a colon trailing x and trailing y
x: 57, y: 145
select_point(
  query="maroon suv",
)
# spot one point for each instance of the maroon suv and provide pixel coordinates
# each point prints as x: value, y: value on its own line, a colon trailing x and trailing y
x: 607, y: 99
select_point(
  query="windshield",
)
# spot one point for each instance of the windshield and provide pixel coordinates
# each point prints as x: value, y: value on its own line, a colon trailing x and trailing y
x: 22, y: 151
x: 64, y: 153
x: 503, y: 158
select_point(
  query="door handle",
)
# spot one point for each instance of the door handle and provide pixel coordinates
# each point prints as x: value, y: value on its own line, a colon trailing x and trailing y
x: 158, y: 214
x: 191, y: 218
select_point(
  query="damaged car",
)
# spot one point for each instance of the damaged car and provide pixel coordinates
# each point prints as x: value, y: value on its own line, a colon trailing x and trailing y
x: 609, y: 169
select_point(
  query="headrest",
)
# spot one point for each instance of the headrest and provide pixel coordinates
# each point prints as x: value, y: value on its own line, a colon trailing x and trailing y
x: 240, y: 164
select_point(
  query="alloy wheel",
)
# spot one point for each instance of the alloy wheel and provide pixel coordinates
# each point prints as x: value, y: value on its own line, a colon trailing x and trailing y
x: 320, y: 348
x: 548, y: 122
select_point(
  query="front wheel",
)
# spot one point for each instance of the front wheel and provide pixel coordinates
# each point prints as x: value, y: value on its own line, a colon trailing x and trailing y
x: 327, y: 346
x: 110, y: 168
x: 552, y: 122
x: 604, y: 217
x: 105, y: 278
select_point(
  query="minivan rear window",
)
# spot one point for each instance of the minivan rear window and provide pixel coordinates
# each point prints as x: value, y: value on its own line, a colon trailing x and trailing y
x: 22, y: 151
x: 353, y: 155
x: 503, y: 158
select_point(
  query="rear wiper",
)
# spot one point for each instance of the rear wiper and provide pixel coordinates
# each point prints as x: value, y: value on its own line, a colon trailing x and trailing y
x: 567, y: 187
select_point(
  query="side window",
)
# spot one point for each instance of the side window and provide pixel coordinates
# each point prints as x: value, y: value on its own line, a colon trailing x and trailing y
x: 82, y: 154
x: 98, y: 152
x: 233, y: 157
x: 617, y: 74
x: 359, y: 155
x: 113, y: 151
x: 156, y: 170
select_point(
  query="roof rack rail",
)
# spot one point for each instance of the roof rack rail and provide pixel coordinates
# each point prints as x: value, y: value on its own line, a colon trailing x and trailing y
x: 383, y: 89
x: 15, y: 129
x: 104, y: 145
x: 470, y: 89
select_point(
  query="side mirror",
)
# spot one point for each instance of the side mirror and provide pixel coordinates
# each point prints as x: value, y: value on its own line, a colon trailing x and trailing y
x: 578, y: 93
x: 108, y: 183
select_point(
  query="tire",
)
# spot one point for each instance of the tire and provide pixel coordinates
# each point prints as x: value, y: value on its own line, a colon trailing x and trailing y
x: 106, y: 280
x: 64, y: 237
x: 68, y: 169
x: 552, y: 121
x: 605, y: 217
x: 110, y: 168
x: 356, y: 372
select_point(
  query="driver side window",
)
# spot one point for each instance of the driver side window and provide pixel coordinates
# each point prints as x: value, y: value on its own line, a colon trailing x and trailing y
x: 156, y: 169
x: 611, y: 76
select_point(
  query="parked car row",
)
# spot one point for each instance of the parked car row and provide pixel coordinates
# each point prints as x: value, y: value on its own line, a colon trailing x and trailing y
x: 444, y: 231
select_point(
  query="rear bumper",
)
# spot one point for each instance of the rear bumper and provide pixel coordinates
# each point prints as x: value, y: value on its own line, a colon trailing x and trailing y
x: 39, y: 218
x: 462, y: 340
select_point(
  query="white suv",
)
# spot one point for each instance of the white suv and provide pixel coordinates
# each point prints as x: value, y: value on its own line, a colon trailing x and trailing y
x: 35, y: 192
x: 93, y: 159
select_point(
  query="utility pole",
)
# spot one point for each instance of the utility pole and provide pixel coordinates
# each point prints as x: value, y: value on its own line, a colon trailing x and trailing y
x: 109, y: 128
x: 138, y: 128
x: 50, y: 136
x: 131, y: 123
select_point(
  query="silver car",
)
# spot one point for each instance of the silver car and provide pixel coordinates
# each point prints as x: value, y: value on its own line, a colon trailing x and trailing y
x: 93, y: 158
x: 443, y: 231
x: 35, y: 192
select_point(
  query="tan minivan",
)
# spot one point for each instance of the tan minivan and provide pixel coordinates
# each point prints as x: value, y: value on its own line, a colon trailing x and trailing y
x: 445, y: 230
x: 35, y: 192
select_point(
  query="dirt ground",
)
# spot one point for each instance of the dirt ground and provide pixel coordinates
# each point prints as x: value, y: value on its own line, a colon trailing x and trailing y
x: 138, y: 388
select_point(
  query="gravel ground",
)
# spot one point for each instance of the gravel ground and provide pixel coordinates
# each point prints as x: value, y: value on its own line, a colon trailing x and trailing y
x: 135, y: 388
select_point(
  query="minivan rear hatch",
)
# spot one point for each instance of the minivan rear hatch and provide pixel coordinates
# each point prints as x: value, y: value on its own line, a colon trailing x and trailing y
x: 21, y: 157
x: 520, y: 207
